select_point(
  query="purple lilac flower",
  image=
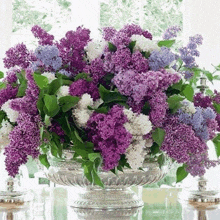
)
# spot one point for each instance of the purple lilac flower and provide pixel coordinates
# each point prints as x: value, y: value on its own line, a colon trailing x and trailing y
x: 28, y: 103
x: 201, y: 100
x: 121, y: 59
x: 180, y: 141
x: 161, y: 59
x: 57, y: 129
x: 95, y: 69
x: 139, y: 63
x: 18, y: 56
x: 171, y: 32
x: 24, y: 141
x: 42, y: 35
x: 216, y: 97
x: 71, y: 49
x: 81, y: 86
x: 158, y: 106
x: 131, y: 29
x: 108, y: 33
x: 49, y: 55
x: 7, y: 93
x: 109, y: 136
x: 141, y: 85
x: 198, y: 164
x: 189, y: 52
x: 11, y: 75
x: 120, y: 38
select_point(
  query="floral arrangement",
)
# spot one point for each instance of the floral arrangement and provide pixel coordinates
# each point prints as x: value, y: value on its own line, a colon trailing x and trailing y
x: 116, y: 102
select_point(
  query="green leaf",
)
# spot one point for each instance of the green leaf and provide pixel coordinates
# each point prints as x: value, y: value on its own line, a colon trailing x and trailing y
x: 1, y: 75
x: 44, y: 161
x: 51, y: 104
x: 217, y: 107
x: 83, y: 76
x: 53, y: 149
x: 55, y: 85
x: 217, y: 77
x: 131, y: 46
x: 97, y: 180
x: 112, y: 47
x: 158, y: 136
x: 181, y: 174
x: 2, y: 85
x: 178, y: 86
x: 208, y: 75
x: 68, y: 102
x: 188, y: 92
x: 145, y: 54
x: 216, y: 142
x: 155, y: 148
x: 174, y: 102
x: 161, y: 160
x: 93, y: 156
x: 47, y: 120
x: 77, y: 136
x: 166, y: 43
x: 2, y: 116
x: 109, y: 96
x: 40, y: 80
x: 23, y: 84
x: 146, y: 108
x: 209, y: 92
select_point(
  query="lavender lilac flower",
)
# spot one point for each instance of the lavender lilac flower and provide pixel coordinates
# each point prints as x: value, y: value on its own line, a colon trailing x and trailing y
x: 161, y: 59
x: 49, y: 56
x: 189, y: 52
x: 171, y: 32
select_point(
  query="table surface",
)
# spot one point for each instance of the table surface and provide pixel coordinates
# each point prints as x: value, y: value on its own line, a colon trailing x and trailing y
x: 51, y: 203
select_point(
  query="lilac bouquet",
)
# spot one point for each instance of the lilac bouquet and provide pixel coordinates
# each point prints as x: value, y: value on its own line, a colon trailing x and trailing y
x: 116, y: 102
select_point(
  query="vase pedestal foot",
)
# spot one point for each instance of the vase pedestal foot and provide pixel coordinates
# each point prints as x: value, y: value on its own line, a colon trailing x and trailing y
x: 104, y: 199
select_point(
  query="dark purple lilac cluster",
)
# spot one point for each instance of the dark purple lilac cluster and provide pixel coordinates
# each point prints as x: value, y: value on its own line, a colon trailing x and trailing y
x: 81, y: 86
x: 181, y: 143
x: 18, y: 56
x: 109, y: 135
x: 42, y: 35
x: 25, y: 137
x: 71, y: 49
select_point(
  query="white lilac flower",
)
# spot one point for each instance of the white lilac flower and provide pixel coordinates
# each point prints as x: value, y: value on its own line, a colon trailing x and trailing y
x: 50, y: 76
x: 85, y: 101
x: 11, y: 114
x: 4, y: 132
x: 135, y: 154
x: 138, y: 124
x: 81, y: 112
x: 62, y: 91
x: 94, y: 49
x: 188, y: 107
x: 144, y: 44
x: 82, y: 116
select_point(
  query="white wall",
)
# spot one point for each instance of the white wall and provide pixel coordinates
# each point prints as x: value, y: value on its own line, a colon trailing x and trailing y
x: 5, y: 28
